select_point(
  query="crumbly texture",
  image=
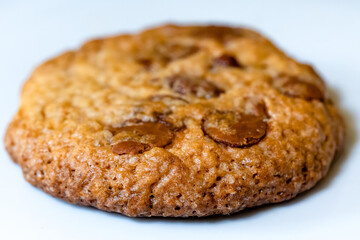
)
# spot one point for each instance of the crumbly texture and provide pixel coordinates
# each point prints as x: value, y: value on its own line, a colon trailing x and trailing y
x: 175, y: 121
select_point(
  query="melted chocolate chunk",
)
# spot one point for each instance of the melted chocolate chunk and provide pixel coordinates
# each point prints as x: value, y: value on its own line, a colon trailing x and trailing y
x: 146, y: 63
x: 234, y: 129
x: 198, y: 87
x: 225, y: 60
x: 129, y: 147
x: 292, y: 86
x: 142, y: 136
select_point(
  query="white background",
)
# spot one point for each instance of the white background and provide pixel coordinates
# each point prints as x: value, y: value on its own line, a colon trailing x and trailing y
x: 323, y: 33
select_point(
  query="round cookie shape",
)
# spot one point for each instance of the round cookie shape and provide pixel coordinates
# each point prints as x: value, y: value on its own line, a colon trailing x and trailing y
x: 175, y: 121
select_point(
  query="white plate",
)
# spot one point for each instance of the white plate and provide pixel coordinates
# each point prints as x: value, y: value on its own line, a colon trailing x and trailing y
x: 324, y: 33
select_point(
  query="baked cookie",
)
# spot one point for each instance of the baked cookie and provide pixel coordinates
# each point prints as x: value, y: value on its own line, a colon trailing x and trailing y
x: 175, y: 121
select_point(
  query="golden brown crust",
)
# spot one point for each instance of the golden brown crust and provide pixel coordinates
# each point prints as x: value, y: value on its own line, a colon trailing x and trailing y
x: 73, y: 106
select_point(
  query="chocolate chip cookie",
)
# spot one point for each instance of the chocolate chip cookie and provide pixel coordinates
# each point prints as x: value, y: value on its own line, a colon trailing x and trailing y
x: 175, y: 121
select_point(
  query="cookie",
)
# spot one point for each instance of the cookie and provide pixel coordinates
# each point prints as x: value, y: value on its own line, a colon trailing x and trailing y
x: 175, y: 121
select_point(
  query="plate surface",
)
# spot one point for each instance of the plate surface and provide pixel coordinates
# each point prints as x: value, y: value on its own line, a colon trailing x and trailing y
x: 323, y: 33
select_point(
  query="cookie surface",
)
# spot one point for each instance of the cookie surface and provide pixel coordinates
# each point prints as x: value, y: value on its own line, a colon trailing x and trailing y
x: 175, y: 121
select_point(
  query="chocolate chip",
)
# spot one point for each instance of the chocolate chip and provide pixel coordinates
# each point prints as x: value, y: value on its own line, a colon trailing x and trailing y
x: 129, y: 147
x: 198, y: 87
x: 225, y: 60
x: 235, y: 129
x: 146, y: 63
x: 145, y: 134
x: 152, y: 133
x: 219, y: 33
x: 292, y: 86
